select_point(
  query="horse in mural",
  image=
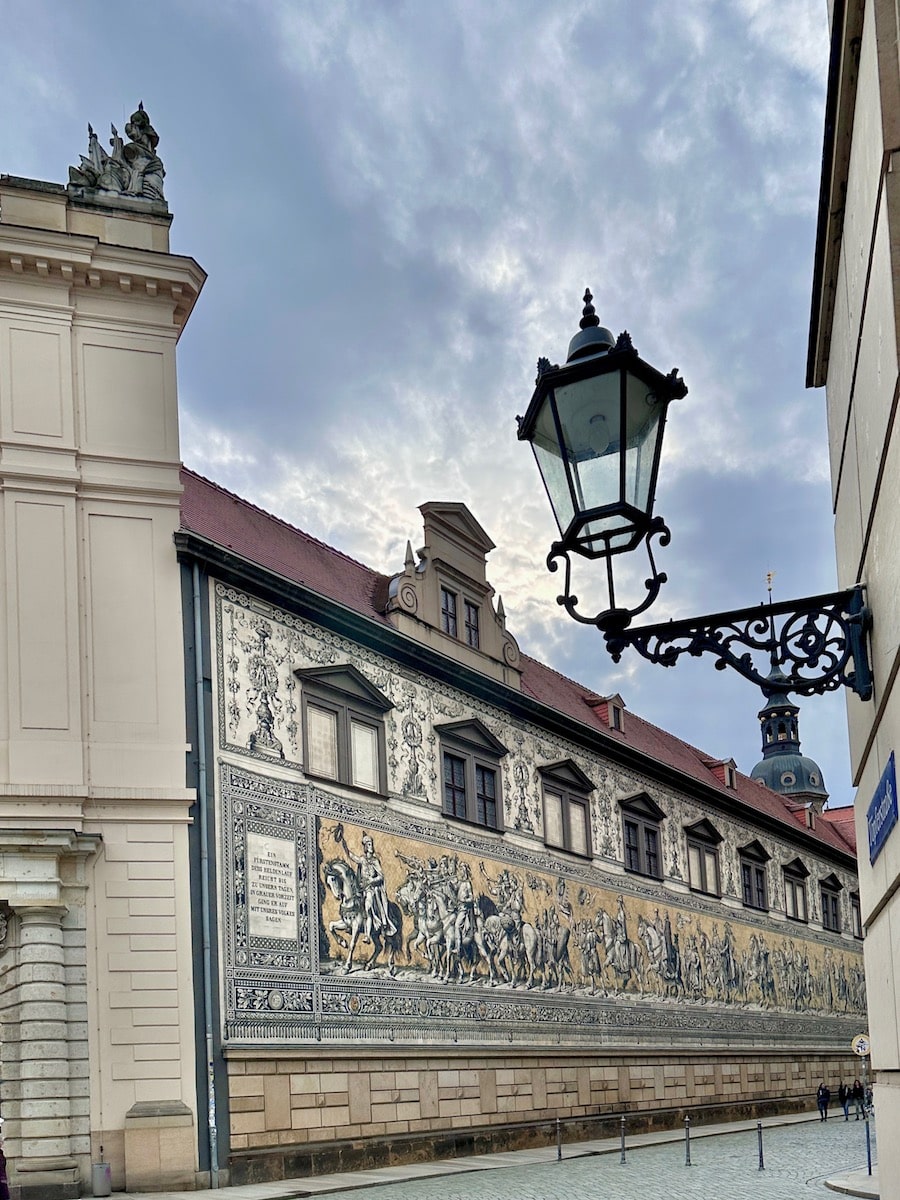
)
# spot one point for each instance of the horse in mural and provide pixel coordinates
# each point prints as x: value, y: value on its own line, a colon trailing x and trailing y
x: 663, y: 959
x: 343, y: 883
x: 621, y: 956
x: 452, y: 940
x: 758, y: 971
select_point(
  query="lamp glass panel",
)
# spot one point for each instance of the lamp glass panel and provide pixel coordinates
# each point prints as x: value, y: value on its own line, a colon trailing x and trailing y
x: 590, y: 418
x: 642, y: 429
x: 549, y: 456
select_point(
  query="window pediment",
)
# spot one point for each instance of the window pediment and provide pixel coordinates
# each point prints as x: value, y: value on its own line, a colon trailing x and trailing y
x: 347, y: 681
x: 796, y: 869
x: 832, y: 883
x: 704, y: 831
x: 755, y: 850
x: 474, y: 736
x: 567, y: 774
x: 641, y: 805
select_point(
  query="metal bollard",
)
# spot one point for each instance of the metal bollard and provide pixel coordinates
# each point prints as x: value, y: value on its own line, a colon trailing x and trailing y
x: 868, y: 1145
x: 687, y: 1141
x: 622, y: 1142
x: 558, y: 1140
x: 762, y: 1165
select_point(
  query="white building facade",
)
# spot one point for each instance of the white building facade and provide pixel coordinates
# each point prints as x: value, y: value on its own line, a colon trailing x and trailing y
x: 854, y: 353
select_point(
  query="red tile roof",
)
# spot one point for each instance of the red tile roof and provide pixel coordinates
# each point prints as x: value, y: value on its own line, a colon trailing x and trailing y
x: 228, y: 521
x: 843, y: 821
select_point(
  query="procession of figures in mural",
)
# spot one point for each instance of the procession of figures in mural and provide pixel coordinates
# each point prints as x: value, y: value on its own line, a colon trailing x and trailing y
x: 464, y: 923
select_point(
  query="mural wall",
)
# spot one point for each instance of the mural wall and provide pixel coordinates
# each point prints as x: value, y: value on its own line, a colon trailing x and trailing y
x: 346, y: 920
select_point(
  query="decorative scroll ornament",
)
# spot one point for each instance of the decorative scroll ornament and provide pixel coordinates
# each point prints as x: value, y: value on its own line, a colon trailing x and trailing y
x: 818, y: 643
x: 133, y: 168
x: 613, y: 619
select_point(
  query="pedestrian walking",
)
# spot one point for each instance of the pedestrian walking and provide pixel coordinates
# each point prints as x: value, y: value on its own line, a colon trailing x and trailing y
x: 858, y: 1096
x: 823, y: 1095
x: 844, y: 1099
x: 4, y: 1182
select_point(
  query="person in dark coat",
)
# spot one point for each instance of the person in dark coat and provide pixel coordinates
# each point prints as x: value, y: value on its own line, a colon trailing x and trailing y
x: 823, y: 1095
x: 844, y: 1099
x: 4, y: 1182
x: 858, y: 1096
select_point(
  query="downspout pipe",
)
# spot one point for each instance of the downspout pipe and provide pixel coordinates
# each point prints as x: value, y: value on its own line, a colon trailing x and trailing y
x: 204, y: 881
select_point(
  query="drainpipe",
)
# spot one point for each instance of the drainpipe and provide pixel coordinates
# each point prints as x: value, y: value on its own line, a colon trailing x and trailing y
x: 204, y: 883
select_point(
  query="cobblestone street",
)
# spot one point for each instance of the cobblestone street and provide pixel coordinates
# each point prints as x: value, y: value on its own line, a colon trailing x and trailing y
x: 799, y: 1156
x: 798, y: 1159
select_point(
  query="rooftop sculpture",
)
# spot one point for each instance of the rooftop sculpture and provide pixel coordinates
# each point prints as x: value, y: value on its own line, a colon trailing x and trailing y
x: 131, y: 169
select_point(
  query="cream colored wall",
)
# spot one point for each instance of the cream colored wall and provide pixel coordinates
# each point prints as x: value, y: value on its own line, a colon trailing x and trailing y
x: 862, y: 389
x: 92, y: 714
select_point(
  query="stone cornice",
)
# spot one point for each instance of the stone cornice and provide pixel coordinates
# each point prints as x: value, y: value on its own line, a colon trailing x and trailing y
x: 85, y: 262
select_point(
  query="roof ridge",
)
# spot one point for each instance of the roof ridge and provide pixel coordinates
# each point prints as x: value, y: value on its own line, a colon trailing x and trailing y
x: 308, y: 537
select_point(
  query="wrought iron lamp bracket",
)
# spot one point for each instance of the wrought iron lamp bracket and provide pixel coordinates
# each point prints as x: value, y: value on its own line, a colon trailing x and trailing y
x: 818, y: 643
x: 613, y: 617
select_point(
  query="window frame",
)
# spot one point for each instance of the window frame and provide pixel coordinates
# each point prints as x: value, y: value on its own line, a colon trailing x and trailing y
x: 449, y: 612
x: 794, y: 877
x: 345, y: 692
x: 571, y: 786
x: 472, y: 623
x: 856, y: 916
x: 475, y: 747
x: 642, y: 815
x: 753, y: 860
x: 830, y: 890
x: 704, y: 839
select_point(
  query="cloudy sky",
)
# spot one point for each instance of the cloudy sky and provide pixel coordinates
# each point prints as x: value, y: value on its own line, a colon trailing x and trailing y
x: 400, y: 203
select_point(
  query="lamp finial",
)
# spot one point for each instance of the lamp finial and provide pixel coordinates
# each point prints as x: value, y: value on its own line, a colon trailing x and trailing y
x: 589, y: 316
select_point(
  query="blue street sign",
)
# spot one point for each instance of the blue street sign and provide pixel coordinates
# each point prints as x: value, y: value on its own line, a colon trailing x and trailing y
x: 882, y: 815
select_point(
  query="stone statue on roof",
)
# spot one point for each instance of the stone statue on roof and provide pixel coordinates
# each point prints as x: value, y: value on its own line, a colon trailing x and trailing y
x: 131, y: 168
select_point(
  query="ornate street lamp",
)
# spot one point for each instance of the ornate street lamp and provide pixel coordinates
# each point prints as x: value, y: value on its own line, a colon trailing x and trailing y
x: 596, y: 427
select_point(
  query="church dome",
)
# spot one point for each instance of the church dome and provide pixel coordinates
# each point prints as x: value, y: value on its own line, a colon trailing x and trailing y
x: 782, y: 767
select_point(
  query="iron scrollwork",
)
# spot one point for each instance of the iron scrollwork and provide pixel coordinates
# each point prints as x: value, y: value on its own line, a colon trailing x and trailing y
x: 612, y: 620
x: 819, y: 643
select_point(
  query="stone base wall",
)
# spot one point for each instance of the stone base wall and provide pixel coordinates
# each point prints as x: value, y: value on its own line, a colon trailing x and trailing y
x: 293, y: 1116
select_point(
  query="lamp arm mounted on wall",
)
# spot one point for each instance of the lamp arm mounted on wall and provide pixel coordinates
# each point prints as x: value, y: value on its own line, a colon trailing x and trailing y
x: 819, y: 642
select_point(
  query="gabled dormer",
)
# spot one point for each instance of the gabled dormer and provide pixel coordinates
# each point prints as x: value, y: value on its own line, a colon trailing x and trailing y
x: 610, y: 710
x: 443, y: 599
x: 725, y: 770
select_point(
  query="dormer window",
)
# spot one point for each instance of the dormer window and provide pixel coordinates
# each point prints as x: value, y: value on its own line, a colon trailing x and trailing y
x: 448, y: 612
x: 472, y: 637
x: 730, y: 776
x: 343, y: 728
x: 616, y: 716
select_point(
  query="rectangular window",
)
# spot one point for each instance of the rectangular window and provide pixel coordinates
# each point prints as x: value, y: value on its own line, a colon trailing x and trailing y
x: 831, y: 911
x: 448, y: 612
x: 651, y: 851
x: 486, y: 796
x: 554, y: 834
x: 364, y: 755
x: 795, y: 898
x: 578, y: 827
x: 471, y: 611
x: 632, y: 846
x: 753, y: 885
x: 343, y: 729
x: 455, y: 786
x: 321, y: 741
x: 703, y: 868
x: 566, y: 823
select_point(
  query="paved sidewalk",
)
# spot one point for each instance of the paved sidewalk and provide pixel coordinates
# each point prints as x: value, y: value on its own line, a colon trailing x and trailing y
x: 849, y: 1179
